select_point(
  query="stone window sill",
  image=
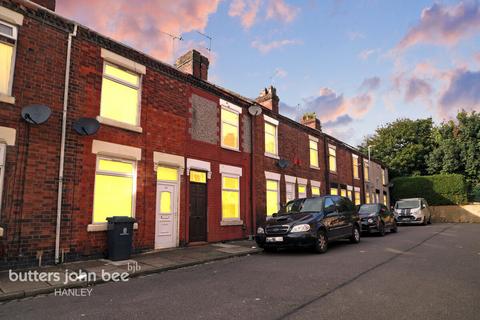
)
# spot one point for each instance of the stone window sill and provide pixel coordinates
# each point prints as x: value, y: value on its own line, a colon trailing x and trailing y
x: 270, y: 155
x: 95, y: 227
x: 231, y: 222
x: 1, y: 232
x: 230, y: 148
x: 7, y: 99
x: 118, y: 124
x: 313, y: 167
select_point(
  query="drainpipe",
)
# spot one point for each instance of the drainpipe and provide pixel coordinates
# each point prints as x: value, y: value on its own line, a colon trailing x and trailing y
x: 252, y: 175
x: 62, y: 144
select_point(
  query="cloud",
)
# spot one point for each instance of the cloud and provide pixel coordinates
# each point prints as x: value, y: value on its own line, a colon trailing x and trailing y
x: 462, y: 92
x: 355, y: 35
x: 444, y: 25
x: 142, y: 24
x: 365, y: 54
x: 417, y: 88
x: 280, y: 73
x: 278, y: 9
x: 266, y: 47
x: 247, y: 10
x: 370, y: 84
x: 340, y: 121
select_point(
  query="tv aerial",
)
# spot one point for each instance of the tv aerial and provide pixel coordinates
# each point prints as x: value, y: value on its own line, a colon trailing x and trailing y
x: 86, y: 126
x: 36, y: 113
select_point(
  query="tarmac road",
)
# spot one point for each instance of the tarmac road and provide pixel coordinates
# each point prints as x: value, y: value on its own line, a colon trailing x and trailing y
x: 430, y: 272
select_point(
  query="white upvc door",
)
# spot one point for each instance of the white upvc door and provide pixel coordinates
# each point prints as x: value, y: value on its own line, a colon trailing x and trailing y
x: 290, y: 191
x: 166, y: 216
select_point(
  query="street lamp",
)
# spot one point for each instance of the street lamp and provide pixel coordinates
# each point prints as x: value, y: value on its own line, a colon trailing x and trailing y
x: 369, y: 147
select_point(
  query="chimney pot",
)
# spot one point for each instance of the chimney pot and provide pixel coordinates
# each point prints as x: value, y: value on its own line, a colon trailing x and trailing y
x: 194, y: 63
x: 310, y: 120
x: 269, y: 99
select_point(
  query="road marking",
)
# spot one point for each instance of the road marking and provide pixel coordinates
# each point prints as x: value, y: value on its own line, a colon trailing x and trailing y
x: 343, y: 284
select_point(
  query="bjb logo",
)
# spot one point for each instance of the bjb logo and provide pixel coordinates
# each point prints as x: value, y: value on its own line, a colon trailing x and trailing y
x: 133, y: 267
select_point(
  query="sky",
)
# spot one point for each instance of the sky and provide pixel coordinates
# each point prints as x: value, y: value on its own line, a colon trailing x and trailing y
x: 358, y: 64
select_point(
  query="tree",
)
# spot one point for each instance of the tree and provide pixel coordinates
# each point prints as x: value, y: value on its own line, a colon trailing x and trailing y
x: 402, y: 145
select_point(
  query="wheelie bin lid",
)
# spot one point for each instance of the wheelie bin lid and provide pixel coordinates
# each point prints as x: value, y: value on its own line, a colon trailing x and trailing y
x: 120, y: 219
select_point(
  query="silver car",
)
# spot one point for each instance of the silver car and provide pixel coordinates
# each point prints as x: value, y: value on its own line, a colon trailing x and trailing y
x: 413, y: 210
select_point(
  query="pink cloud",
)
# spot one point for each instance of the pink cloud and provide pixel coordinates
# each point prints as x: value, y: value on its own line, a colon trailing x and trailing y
x: 142, y: 24
x: 417, y: 88
x: 278, y: 9
x: 365, y: 54
x: 444, y: 25
x: 462, y: 92
x: 247, y: 10
x: 266, y: 47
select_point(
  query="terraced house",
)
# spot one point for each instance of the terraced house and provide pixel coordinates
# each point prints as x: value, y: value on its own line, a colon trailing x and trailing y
x: 192, y: 162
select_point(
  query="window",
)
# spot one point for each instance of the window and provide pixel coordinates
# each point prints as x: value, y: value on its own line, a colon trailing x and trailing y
x: 114, y: 189
x: 329, y: 205
x: 334, y: 190
x: 302, y: 191
x: 8, y: 39
x: 385, y: 199
x: 289, y: 191
x: 366, y: 170
x: 167, y: 174
x: 349, y: 194
x: 367, y: 197
x: 315, y: 191
x: 272, y: 197
x: 343, y: 192
x: 313, y: 153
x: 271, y: 139
x: 332, y: 158
x: 3, y: 149
x: 198, y: 176
x: 355, y: 166
x: 120, y: 99
x: 230, y: 197
x: 230, y: 129
x: 384, y: 179
x: 358, y: 201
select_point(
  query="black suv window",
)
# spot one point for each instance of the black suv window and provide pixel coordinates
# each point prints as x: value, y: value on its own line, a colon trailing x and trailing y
x: 329, y: 205
x: 342, y: 205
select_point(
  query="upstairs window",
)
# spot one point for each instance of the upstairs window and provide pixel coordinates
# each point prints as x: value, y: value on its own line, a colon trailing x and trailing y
x: 8, y: 41
x: 332, y: 158
x: 313, y: 153
x: 355, y: 165
x: 230, y: 129
x: 366, y: 170
x: 271, y: 139
x: 384, y: 179
x: 120, y: 95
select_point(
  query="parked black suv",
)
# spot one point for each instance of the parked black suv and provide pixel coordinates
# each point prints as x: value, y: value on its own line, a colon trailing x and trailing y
x: 376, y: 217
x: 311, y: 222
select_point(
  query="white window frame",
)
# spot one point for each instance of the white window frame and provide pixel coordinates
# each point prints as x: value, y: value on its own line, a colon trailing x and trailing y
x: 315, y: 140
x: 274, y: 123
x: 238, y: 219
x: 277, y: 191
x: 113, y: 122
x: 116, y: 174
x: 331, y: 146
x: 356, y: 166
x: 3, y: 154
x: 366, y: 168
x: 7, y: 97
x: 237, y: 125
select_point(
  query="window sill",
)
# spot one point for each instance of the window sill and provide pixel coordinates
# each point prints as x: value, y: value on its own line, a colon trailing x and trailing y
x: 1, y: 232
x: 270, y: 155
x: 7, y: 99
x: 333, y: 172
x: 316, y: 168
x: 230, y: 149
x: 95, y: 227
x: 233, y: 222
x: 118, y: 124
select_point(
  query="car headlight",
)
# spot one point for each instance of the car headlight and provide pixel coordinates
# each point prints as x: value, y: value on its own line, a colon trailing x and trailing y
x: 301, y: 228
x: 370, y: 220
x: 260, y: 230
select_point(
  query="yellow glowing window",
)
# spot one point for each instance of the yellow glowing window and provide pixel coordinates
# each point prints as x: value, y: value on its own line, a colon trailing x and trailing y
x: 334, y: 191
x: 383, y: 177
x: 357, y: 198
x: 230, y: 197
x: 385, y: 199
x: 355, y: 166
x: 332, y: 159
x: 198, y: 176
x: 167, y: 174
x: 302, y: 191
x: 270, y: 138
x: 230, y: 129
x: 6, y: 58
x: 366, y: 170
x: 349, y: 195
x: 120, y: 95
x: 343, y: 192
x: 315, y: 191
x: 367, y: 198
x: 272, y: 197
x: 313, y: 153
x: 114, y: 189
x: 165, y: 202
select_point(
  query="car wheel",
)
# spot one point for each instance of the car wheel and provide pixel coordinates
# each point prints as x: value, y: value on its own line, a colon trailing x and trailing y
x: 430, y: 220
x: 321, y: 245
x: 381, y: 229
x: 355, y: 237
x: 395, y: 227
x: 424, y: 221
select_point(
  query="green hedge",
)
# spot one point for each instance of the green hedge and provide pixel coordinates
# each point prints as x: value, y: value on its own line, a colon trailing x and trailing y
x: 442, y: 189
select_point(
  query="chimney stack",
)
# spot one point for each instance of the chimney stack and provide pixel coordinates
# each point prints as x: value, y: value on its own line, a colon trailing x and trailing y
x: 269, y: 99
x: 49, y: 4
x: 309, y: 119
x: 194, y: 63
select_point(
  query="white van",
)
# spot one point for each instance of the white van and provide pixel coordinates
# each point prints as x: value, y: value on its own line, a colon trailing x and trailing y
x: 414, y: 210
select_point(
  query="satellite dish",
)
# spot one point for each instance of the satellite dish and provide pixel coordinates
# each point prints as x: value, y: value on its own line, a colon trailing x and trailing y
x: 254, y: 110
x: 283, y: 163
x: 86, y: 126
x: 36, y: 113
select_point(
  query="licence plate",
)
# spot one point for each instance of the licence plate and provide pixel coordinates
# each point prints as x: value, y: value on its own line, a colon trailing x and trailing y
x: 274, y: 239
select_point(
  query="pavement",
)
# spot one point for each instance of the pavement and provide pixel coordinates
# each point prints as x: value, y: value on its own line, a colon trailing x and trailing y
x: 83, y: 274
x: 422, y: 272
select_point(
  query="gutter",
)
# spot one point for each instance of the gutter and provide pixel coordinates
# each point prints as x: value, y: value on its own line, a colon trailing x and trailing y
x: 62, y: 144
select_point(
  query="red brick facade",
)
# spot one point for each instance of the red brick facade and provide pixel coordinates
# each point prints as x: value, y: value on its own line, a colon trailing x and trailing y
x: 29, y: 203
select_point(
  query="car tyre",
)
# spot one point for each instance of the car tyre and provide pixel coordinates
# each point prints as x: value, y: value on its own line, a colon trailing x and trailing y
x: 394, y: 229
x: 381, y: 229
x: 321, y: 245
x: 424, y: 221
x: 355, y: 237
x: 430, y: 220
